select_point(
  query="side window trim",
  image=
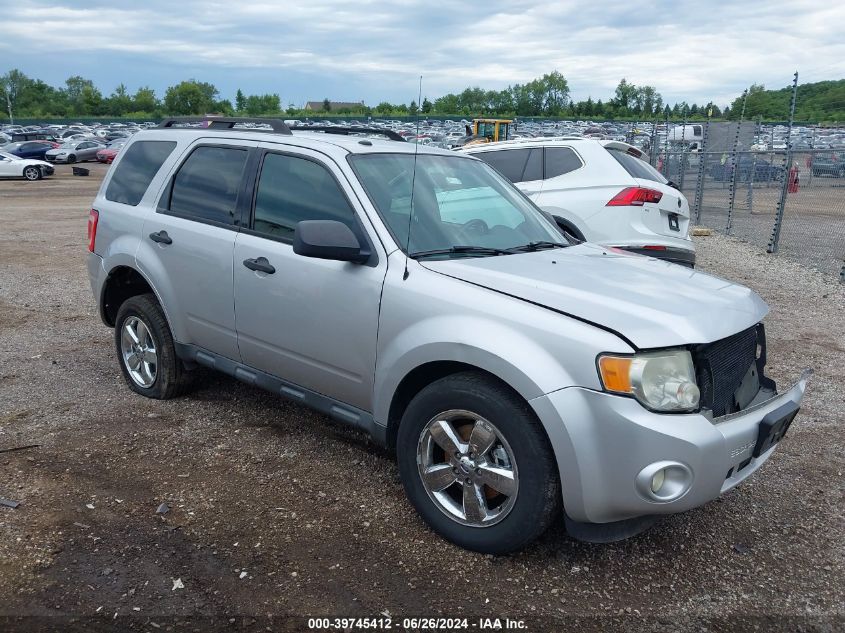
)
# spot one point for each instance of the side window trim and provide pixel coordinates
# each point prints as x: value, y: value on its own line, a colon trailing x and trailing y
x: 262, y: 154
x: 163, y: 206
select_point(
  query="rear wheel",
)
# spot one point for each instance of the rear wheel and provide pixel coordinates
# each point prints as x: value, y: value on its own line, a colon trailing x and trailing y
x: 146, y: 351
x: 32, y: 173
x: 476, y: 464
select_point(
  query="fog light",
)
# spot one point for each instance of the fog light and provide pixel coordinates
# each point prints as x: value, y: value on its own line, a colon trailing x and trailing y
x: 662, y: 482
x: 658, y: 479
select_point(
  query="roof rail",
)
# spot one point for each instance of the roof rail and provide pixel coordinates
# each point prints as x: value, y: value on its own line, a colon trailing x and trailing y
x: 226, y: 123
x: 347, y: 130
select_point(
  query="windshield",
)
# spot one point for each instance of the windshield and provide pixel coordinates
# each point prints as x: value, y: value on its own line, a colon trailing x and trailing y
x: 457, y: 202
x: 69, y: 145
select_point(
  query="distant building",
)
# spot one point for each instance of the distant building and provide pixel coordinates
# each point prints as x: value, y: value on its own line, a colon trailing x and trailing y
x: 317, y: 106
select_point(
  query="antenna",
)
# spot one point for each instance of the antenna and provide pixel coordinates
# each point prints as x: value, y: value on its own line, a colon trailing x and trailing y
x: 413, y: 181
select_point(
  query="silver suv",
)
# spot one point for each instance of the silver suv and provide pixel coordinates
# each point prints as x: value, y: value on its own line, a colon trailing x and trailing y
x: 416, y: 294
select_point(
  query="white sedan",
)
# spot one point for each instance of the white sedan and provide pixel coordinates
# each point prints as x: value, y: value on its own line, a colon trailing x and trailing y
x: 12, y: 166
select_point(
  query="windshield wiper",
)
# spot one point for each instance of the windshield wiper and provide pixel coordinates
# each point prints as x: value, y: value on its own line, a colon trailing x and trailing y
x: 460, y: 249
x: 536, y: 246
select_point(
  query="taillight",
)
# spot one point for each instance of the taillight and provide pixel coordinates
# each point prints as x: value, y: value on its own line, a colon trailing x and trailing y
x: 654, y: 247
x: 93, y: 218
x: 634, y: 196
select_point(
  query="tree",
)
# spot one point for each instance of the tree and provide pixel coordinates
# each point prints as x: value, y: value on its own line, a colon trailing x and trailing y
x: 556, y: 90
x: 119, y: 103
x: 624, y: 95
x: 145, y: 100
x: 190, y: 97
x: 384, y: 108
x: 413, y: 109
x: 12, y: 84
x: 426, y: 105
x: 327, y: 105
x: 240, y: 101
x: 82, y: 96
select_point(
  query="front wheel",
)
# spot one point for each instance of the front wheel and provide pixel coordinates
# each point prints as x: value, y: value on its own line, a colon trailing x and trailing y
x: 71, y: 159
x: 146, y: 351
x: 32, y: 173
x: 476, y: 464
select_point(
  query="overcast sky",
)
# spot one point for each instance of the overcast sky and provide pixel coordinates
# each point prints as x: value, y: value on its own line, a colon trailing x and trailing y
x: 375, y: 50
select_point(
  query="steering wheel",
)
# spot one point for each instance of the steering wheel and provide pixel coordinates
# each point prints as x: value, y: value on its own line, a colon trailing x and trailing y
x: 476, y: 225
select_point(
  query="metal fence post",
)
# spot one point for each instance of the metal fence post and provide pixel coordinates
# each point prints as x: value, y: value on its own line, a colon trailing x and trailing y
x: 735, y: 165
x: 699, y: 184
x: 775, y: 239
x: 683, y: 159
x: 842, y: 274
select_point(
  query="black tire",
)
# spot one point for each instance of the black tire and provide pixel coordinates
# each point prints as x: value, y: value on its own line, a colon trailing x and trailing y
x: 71, y: 159
x: 170, y: 375
x: 32, y: 173
x: 538, y: 499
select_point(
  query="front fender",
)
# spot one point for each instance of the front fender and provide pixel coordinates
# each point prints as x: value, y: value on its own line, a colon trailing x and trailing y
x: 509, y: 355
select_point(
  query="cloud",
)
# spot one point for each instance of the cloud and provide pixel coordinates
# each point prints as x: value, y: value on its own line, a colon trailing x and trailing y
x: 376, y: 50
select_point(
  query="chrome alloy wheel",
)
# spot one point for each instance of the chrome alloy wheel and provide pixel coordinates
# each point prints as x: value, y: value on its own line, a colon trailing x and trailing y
x: 467, y: 468
x: 139, y: 351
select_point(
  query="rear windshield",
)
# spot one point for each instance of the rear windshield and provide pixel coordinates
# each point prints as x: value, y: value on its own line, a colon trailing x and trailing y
x: 636, y: 167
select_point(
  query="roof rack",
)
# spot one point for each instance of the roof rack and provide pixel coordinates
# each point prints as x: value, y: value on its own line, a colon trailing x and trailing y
x: 227, y: 123
x: 346, y: 130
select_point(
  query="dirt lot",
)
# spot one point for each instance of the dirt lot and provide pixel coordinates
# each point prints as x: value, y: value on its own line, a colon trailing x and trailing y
x: 276, y: 511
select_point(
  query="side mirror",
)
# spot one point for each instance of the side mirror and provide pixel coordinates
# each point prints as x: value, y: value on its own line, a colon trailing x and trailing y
x: 328, y: 239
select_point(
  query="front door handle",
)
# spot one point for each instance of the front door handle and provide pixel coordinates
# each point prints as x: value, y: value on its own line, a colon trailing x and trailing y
x: 261, y: 265
x: 161, y: 237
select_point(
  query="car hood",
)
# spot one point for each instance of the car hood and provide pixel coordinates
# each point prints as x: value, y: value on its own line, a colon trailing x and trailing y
x: 650, y: 302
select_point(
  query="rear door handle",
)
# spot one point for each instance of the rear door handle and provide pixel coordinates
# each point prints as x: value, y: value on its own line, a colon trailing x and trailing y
x: 161, y: 237
x: 261, y: 265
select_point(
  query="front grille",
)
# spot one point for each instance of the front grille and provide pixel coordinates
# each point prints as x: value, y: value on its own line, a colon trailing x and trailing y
x: 720, y: 368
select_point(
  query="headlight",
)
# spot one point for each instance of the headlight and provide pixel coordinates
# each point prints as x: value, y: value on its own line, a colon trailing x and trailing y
x: 662, y: 381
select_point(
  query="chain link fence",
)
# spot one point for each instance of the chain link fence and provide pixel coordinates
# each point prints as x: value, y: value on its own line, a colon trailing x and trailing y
x: 786, y: 202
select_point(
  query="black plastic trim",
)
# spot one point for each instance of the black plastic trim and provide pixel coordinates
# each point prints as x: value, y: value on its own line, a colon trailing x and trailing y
x: 227, y: 123
x: 340, y: 411
x: 608, y: 532
x: 347, y: 131
x: 674, y: 255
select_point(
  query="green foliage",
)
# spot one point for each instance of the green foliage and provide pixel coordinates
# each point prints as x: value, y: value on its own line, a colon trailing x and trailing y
x: 819, y: 101
x: 546, y: 96
x: 190, y: 97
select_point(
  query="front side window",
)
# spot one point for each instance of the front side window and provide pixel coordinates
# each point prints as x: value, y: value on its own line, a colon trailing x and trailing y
x: 136, y: 169
x: 292, y: 189
x: 206, y: 186
x: 456, y: 202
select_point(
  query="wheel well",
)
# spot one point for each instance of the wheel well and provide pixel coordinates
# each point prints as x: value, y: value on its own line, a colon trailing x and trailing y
x: 123, y: 282
x: 416, y: 380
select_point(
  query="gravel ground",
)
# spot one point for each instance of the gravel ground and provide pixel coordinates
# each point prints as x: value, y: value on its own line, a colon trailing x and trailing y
x: 276, y: 511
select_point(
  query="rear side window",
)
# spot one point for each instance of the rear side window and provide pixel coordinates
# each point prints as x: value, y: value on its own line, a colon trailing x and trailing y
x: 292, y: 189
x: 517, y: 165
x: 136, y: 169
x: 206, y: 185
x: 636, y: 167
x: 561, y: 160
